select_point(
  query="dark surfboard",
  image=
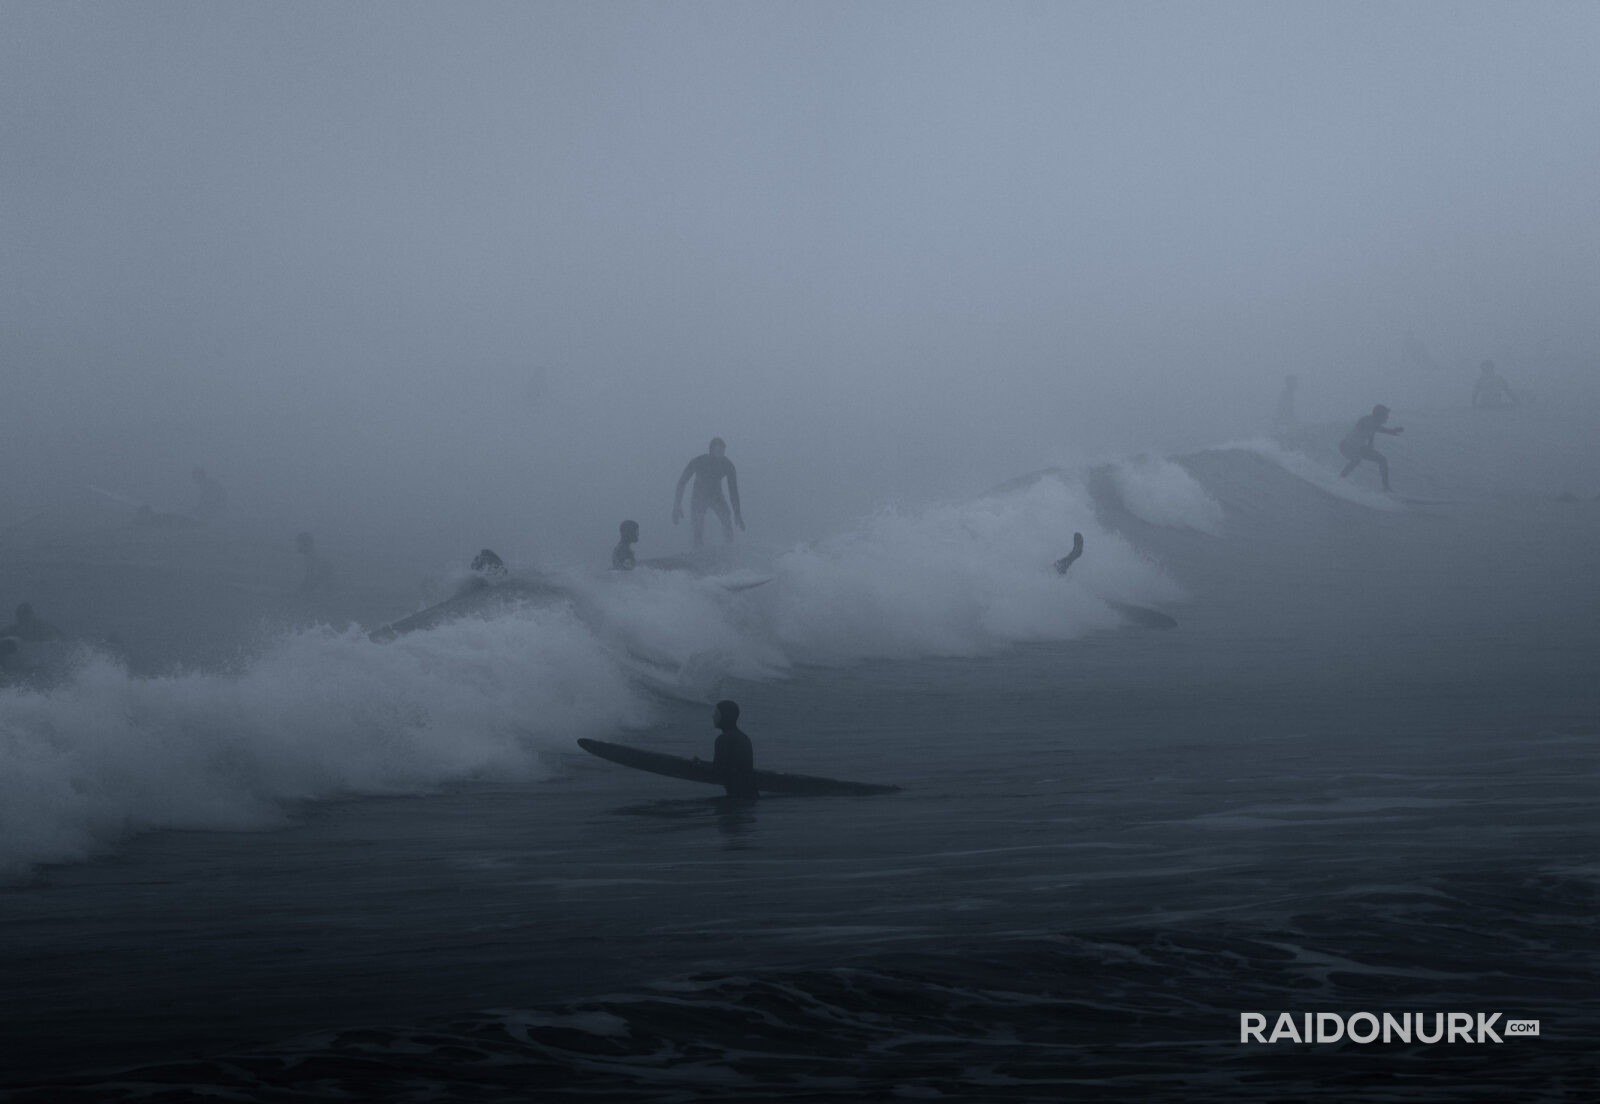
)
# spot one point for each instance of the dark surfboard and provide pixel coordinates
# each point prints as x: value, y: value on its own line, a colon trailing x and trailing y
x: 475, y: 597
x: 1144, y: 615
x: 698, y: 770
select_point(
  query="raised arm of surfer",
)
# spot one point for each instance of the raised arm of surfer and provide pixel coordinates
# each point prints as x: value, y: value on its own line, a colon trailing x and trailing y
x: 1071, y: 557
x: 733, y: 756
x: 708, y: 471
x: 1357, y: 444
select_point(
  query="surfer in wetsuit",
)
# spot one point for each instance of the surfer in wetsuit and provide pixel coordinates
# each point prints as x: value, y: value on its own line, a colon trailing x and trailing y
x: 1492, y: 391
x: 707, y: 471
x: 622, y: 554
x: 1357, y: 444
x: 733, y: 756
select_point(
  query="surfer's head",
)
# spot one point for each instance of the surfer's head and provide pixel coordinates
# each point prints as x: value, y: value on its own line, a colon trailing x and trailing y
x: 488, y: 563
x: 629, y: 531
x: 1487, y: 367
x: 725, y: 714
x: 304, y: 543
x: 25, y: 614
x: 1381, y: 412
x: 718, y: 446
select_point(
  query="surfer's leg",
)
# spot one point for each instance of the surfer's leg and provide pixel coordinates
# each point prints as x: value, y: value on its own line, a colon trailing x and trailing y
x: 1383, y: 468
x: 697, y: 519
x: 725, y: 516
x: 1353, y: 457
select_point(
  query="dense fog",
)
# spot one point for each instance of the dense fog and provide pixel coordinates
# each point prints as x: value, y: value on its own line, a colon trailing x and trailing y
x: 448, y: 275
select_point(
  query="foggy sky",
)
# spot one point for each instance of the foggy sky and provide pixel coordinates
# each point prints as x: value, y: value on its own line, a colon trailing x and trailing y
x: 491, y: 273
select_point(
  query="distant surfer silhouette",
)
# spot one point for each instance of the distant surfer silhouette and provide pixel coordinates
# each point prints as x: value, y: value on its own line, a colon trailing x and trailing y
x: 1492, y: 392
x: 317, y: 572
x: 708, y: 471
x: 488, y: 570
x: 1071, y: 557
x: 1357, y: 444
x: 10, y: 657
x: 211, y: 499
x: 488, y: 566
x: 28, y: 626
x: 733, y: 756
x: 622, y: 554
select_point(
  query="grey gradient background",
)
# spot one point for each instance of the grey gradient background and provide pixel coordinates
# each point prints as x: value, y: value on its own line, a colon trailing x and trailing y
x: 448, y: 275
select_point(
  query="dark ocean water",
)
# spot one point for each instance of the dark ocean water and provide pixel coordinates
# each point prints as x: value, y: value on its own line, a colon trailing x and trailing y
x: 1358, y: 776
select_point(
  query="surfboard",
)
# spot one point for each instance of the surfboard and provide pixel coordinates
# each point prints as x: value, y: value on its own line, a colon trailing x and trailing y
x: 698, y: 770
x: 1144, y: 615
x: 477, y: 595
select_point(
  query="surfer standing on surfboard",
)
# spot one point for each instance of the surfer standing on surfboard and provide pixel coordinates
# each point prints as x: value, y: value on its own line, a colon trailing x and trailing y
x: 707, y: 471
x: 733, y: 756
x: 1357, y: 444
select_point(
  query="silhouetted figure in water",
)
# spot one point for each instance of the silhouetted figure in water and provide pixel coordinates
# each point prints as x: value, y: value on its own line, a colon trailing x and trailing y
x: 1357, y: 444
x: 1284, y: 416
x: 622, y: 554
x: 318, y: 574
x: 732, y: 755
x: 27, y: 626
x: 708, y: 471
x: 209, y: 504
x: 1492, y: 391
x: 1071, y: 557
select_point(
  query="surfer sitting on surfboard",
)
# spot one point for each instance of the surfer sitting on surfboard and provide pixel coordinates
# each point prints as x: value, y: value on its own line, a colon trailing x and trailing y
x: 733, y: 756
x: 622, y: 554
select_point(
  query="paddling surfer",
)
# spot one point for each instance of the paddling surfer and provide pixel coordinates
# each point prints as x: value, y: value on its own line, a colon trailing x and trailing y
x: 1357, y: 444
x: 733, y: 757
x: 708, y: 470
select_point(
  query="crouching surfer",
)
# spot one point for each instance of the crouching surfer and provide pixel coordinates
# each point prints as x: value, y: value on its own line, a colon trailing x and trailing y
x: 733, y: 756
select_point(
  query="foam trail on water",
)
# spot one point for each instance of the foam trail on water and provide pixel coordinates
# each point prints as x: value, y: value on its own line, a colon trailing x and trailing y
x: 1319, y: 476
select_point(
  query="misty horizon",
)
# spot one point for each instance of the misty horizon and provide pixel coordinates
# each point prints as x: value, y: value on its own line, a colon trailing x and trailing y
x: 490, y: 274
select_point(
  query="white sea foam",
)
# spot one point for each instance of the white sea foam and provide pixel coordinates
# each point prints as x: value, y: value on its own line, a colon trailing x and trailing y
x: 1323, y: 478
x: 315, y: 714
x: 1162, y: 492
